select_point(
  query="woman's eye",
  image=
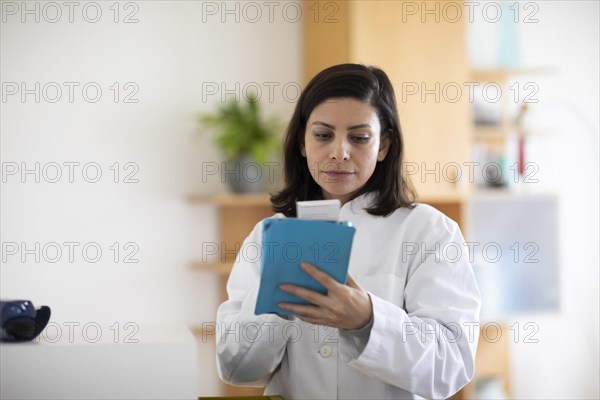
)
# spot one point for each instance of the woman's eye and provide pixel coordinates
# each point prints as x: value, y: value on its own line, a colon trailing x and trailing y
x: 322, y: 135
x: 361, y: 139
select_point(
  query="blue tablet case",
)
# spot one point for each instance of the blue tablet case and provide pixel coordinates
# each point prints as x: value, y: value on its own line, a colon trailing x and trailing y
x: 288, y: 242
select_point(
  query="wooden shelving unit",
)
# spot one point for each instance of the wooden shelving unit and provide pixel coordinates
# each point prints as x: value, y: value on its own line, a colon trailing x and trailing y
x: 492, y: 360
x: 492, y: 138
x: 370, y: 33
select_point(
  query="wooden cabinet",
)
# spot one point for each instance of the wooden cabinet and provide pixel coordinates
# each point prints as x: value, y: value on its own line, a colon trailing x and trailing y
x: 423, y: 61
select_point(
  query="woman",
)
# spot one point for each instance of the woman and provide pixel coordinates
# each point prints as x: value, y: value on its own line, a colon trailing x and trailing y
x: 404, y: 326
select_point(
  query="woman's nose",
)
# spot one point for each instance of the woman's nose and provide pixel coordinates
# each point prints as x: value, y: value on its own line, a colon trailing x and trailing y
x: 340, y: 151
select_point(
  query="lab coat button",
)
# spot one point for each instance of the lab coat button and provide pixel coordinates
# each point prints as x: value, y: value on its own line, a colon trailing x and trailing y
x: 325, y: 351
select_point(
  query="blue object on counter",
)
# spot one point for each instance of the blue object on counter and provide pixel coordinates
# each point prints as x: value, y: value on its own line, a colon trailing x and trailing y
x: 21, y: 321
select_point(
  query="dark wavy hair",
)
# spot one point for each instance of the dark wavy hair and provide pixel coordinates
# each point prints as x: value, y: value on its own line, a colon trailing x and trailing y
x: 370, y: 85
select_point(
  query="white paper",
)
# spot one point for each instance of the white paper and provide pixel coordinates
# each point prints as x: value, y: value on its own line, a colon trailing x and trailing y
x: 319, y: 209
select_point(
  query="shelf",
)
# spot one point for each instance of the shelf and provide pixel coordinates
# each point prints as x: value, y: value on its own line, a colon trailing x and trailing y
x: 202, y: 331
x: 263, y: 199
x: 489, y: 133
x: 508, y: 194
x: 501, y: 74
x: 221, y: 268
x: 443, y: 198
x: 231, y: 199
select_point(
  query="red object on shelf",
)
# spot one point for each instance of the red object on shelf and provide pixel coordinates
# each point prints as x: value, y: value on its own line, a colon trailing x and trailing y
x: 521, y: 156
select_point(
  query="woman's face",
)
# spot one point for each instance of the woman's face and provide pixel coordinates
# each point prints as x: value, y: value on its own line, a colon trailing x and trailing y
x: 342, y: 145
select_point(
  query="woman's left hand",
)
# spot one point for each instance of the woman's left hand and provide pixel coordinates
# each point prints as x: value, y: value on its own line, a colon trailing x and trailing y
x: 344, y: 307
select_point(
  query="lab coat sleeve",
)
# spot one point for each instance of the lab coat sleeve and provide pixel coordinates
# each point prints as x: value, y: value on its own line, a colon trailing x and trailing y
x: 355, y: 340
x: 427, y: 348
x: 249, y: 347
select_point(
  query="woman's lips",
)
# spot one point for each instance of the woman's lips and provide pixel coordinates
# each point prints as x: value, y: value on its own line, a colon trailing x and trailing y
x: 338, y: 174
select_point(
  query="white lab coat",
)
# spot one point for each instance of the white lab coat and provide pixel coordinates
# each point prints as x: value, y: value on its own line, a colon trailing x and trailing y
x: 424, y: 335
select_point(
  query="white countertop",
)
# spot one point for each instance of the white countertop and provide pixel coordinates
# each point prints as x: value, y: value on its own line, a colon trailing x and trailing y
x: 102, y: 361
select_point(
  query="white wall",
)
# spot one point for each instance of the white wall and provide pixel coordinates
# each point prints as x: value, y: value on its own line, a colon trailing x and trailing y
x: 565, y: 41
x: 168, y: 54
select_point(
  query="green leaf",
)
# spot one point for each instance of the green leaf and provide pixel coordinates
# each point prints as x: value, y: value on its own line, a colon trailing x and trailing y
x: 240, y: 129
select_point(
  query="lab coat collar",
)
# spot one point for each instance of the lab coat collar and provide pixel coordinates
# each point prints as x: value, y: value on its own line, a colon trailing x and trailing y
x: 358, y: 205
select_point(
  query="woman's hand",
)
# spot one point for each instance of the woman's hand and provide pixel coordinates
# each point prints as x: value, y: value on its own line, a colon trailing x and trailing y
x: 344, y: 307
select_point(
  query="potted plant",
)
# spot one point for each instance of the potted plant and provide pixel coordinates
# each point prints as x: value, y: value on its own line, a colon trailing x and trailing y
x: 246, y: 138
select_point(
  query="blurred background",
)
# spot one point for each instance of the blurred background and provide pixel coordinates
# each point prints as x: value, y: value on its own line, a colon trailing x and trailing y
x: 115, y: 207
